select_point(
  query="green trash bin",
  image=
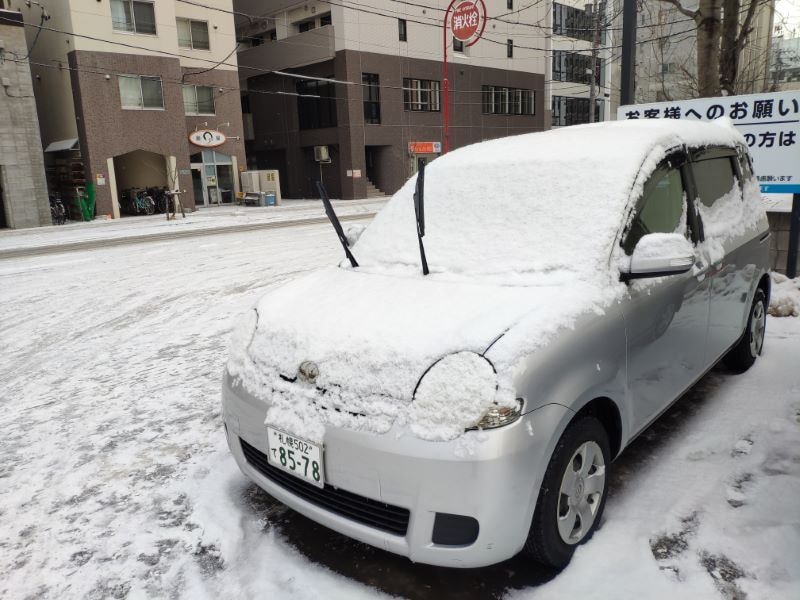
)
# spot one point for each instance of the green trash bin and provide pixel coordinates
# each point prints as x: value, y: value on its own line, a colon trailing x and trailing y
x: 86, y: 203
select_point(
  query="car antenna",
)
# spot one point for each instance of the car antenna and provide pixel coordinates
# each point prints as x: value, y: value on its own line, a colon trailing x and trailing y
x: 419, y: 210
x: 337, y: 226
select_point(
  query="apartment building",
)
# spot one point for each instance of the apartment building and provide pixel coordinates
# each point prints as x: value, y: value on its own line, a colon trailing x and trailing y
x: 23, y: 195
x: 579, y: 26
x: 666, y: 56
x: 375, y: 101
x: 124, y: 90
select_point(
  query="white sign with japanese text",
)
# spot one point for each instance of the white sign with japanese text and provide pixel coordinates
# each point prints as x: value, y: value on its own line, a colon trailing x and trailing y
x: 770, y: 123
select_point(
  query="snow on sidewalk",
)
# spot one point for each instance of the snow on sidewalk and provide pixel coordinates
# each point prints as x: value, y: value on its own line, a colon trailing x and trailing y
x: 205, y: 219
x: 715, y: 512
x: 784, y: 300
x: 116, y: 482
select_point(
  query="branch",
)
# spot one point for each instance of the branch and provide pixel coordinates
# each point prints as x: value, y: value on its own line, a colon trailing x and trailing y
x: 693, y: 14
x: 745, y: 28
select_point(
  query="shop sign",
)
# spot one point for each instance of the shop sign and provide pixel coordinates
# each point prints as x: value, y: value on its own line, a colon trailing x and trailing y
x: 100, y: 179
x: 356, y: 173
x: 770, y: 124
x: 424, y: 147
x: 464, y: 21
x: 207, y: 138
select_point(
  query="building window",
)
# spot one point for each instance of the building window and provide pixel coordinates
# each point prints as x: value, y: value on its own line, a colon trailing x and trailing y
x: 198, y: 100
x: 573, y: 111
x: 135, y: 16
x: 325, y: 20
x: 507, y: 101
x: 138, y: 92
x: 574, y: 67
x: 305, y: 26
x: 510, y: 48
x: 576, y: 23
x: 372, y: 98
x: 458, y: 45
x: 193, y: 34
x: 401, y: 30
x: 421, y: 95
x: 510, y: 4
x: 320, y: 112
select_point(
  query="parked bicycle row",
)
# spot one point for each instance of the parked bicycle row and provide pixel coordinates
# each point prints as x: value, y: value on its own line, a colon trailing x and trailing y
x: 145, y: 201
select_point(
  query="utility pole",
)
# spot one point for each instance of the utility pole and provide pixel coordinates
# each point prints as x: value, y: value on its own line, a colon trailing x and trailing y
x: 595, y: 46
x: 628, y: 82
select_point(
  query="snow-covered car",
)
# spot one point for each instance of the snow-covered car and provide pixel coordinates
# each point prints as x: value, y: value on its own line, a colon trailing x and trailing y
x: 580, y: 281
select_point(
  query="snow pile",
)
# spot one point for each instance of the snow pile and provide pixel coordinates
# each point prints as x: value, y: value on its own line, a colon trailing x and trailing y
x: 518, y: 254
x: 784, y: 300
x: 460, y: 386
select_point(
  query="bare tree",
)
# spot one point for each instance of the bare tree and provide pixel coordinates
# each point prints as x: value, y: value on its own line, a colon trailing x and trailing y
x: 723, y: 27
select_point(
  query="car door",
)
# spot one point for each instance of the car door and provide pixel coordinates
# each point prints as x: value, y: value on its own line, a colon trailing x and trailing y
x: 717, y: 177
x: 666, y: 318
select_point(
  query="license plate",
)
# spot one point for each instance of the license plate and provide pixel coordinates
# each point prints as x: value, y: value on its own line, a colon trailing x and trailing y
x: 298, y: 457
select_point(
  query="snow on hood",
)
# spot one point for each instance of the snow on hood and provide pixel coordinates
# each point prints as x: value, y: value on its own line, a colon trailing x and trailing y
x: 372, y: 337
x: 520, y: 237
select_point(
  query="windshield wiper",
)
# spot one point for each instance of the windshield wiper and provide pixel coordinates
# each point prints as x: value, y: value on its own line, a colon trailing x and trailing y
x: 419, y: 210
x: 337, y: 226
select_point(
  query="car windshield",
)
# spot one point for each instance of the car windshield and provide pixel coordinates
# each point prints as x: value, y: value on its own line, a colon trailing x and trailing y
x: 535, y: 203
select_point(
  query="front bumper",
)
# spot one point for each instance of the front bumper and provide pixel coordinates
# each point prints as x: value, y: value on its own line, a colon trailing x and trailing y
x: 494, y: 481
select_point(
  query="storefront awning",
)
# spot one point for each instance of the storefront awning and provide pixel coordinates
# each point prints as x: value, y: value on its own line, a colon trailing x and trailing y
x: 61, y: 145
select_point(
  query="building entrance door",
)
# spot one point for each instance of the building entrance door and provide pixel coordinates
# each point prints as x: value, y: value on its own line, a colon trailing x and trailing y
x: 197, y: 185
x: 212, y: 172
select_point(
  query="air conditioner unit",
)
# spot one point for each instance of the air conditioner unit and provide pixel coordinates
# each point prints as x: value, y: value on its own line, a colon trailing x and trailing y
x: 321, y: 154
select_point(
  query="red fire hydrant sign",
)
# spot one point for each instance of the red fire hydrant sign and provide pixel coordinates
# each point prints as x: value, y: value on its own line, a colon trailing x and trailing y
x: 464, y: 21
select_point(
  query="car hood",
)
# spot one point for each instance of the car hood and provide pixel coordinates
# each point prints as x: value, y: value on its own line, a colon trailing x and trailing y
x: 372, y: 336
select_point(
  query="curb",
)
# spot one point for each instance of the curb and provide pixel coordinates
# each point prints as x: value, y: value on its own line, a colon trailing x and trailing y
x: 136, y: 239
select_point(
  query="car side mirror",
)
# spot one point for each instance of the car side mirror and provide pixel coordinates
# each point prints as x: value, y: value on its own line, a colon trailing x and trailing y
x: 658, y: 255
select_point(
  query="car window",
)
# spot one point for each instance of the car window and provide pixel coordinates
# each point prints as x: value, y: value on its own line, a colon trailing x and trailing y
x: 661, y: 208
x: 745, y: 165
x: 714, y: 178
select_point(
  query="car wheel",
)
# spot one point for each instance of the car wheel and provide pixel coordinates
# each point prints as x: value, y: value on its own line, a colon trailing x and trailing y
x: 572, y: 495
x: 742, y: 356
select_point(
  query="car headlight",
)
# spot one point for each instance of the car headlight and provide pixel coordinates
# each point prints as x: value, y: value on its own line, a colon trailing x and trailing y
x: 459, y: 392
x: 498, y: 416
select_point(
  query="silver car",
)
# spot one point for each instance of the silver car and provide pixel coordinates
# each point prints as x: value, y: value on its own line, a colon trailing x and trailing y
x: 456, y: 390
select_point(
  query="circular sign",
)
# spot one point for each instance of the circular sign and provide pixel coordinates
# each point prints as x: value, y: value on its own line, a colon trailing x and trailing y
x: 465, y: 21
x: 207, y: 138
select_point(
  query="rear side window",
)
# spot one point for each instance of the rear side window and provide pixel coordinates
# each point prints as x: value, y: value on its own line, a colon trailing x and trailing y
x: 661, y: 208
x: 714, y: 178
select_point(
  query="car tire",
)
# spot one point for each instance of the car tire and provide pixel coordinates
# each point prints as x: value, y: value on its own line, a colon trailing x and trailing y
x: 742, y: 356
x: 557, y: 528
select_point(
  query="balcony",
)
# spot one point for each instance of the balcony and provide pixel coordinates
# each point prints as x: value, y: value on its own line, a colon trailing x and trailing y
x: 297, y: 50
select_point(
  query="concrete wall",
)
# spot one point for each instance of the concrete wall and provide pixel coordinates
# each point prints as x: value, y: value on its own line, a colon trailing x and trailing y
x: 24, y: 193
x: 779, y: 223
x: 52, y: 85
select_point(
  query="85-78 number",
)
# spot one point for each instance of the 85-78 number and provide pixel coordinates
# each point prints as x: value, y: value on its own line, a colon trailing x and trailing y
x: 296, y: 456
x: 287, y: 459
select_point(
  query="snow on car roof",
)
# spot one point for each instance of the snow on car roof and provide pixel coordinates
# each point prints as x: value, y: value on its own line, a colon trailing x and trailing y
x: 537, y: 202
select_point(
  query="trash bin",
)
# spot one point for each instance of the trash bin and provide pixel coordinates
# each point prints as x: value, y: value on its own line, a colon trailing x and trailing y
x: 270, y: 199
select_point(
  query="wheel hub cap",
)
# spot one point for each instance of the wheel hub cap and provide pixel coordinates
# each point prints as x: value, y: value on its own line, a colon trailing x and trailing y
x: 582, y: 488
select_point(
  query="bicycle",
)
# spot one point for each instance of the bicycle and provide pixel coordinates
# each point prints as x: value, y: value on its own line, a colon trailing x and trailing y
x: 58, y: 214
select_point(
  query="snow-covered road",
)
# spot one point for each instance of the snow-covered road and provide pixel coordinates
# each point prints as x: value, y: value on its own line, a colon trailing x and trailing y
x: 115, y: 480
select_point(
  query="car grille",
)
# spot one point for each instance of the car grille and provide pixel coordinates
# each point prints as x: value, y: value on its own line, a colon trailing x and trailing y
x: 379, y: 515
